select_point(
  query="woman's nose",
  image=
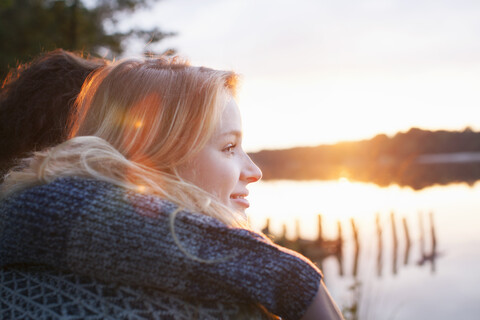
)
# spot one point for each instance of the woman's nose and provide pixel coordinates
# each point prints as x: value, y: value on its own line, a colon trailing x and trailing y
x: 251, y: 172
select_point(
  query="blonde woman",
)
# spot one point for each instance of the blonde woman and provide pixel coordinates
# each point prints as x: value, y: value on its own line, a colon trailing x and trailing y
x: 140, y: 214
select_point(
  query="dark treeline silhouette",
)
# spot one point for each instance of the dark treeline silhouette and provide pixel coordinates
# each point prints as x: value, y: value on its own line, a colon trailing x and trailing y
x: 417, y: 158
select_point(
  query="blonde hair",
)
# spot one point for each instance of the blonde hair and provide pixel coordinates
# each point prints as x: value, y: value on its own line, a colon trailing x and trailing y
x: 135, y: 122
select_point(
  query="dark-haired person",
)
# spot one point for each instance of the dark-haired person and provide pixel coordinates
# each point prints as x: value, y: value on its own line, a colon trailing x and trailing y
x: 35, y: 102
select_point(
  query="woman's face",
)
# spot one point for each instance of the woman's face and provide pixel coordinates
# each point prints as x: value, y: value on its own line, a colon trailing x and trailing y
x: 222, y: 168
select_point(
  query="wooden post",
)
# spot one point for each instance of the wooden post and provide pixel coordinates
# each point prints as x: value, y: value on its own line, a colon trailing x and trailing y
x: 434, y: 242
x: 408, y: 243
x: 284, y: 231
x: 282, y: 241
x: 432, y: 229
x: 320, y: 229
x: 422, y: 234
x: 380, y: 245
x: 395, y: 242
x: 266, y: 229
x: 407, y: 234
x: 394, y: 229
x: 297, y: 229
x: 339, y: 232
x: 357, y: 246
x: 340, y: 248
x: 355, y: 233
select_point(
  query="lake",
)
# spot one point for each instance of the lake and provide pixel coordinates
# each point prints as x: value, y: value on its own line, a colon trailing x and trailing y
x: 383, y: 282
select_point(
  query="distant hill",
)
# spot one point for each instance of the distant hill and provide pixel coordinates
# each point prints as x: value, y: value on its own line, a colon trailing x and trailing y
x: 417, y: 158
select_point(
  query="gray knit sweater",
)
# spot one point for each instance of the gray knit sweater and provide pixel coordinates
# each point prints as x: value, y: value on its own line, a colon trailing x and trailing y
x: 88, y: 228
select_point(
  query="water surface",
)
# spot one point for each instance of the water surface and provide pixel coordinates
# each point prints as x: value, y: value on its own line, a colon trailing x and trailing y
x: 387, y: 283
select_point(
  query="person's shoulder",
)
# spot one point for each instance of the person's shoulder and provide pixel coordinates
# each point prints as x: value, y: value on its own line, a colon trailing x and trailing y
x: 92, y: 195
x: 65, y: 186
x: 112, y: 197
x: 64, y: 192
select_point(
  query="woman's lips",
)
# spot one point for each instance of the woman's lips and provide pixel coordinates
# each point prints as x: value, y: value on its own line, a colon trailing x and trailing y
x: 240, y: 200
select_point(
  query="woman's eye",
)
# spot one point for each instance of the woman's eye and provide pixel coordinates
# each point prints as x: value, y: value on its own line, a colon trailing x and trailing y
x: 229, y: 148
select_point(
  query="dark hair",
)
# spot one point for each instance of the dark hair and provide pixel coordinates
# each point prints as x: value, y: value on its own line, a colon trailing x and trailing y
x: 35, y: 101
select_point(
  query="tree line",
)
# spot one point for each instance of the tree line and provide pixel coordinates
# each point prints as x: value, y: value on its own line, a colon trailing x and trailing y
x: 382, y: 159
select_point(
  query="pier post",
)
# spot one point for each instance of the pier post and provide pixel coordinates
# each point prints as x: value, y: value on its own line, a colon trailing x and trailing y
x: 380, y: 245
x: 395, y: 242
x: 357, y: 246
x: 339, y: 232
x: 422, y: 235
x: 266, y: 229
x: 434, y: 237
x: 320, y: 229
x: 434, y: 242
x: 297, y: 228
x: 408, y: 243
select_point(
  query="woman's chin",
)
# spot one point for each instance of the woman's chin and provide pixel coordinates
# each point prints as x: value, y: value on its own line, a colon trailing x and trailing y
x: 239, y: 209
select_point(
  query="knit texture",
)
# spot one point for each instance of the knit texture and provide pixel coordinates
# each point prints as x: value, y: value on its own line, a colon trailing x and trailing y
x: 95, y: 229
x: 38, y: 292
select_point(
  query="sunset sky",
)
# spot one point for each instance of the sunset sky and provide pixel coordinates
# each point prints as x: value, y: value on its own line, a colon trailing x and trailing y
x: 319, y: 72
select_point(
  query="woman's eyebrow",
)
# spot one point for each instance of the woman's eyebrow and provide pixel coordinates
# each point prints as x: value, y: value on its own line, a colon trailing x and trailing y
x: 236, y: 133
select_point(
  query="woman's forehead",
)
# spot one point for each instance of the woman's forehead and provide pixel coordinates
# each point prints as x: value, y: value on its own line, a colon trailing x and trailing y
x: 230, y: 120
